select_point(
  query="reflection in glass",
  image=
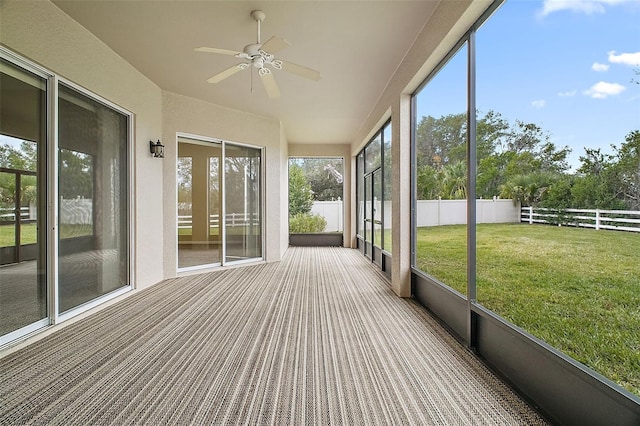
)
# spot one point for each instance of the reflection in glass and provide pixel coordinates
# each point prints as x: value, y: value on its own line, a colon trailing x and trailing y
x: 373, y: 154
x: 368, y: 213
x: 23, y: 295
x: 243, y: 213
x: 360, y: 195
x: 376, y: 206
x: 387, y: 187
x: 199, y: 239
x: 93, y: 196
x: 441, y: 174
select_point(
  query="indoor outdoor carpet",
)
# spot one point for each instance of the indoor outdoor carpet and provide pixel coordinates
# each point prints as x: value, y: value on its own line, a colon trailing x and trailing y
x: 318, y: 338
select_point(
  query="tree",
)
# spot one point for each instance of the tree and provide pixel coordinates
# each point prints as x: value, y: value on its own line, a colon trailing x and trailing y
x: 504, y: 152
x: 596, y: 183
x: 23, y: 158
x: 300, y: 194
x: 454, y: 181
x: 627, y: 169
x: 528, y: 189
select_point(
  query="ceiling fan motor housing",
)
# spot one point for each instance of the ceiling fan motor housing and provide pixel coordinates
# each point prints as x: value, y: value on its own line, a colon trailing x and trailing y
x: 253, y: 50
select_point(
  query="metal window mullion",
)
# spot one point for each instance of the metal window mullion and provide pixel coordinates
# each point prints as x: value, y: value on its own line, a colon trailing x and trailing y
x: 471, y: 189
x: 52, y: 200
x: 413, y: 177
x: 223, y: 207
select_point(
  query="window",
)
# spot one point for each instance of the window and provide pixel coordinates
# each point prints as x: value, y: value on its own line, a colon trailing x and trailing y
x: 441, y: 174
x: 553, y: 242
x: 547, y: 120
x: 373, y: 173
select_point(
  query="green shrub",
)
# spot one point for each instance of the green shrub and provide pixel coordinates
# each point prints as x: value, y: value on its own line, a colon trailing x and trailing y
x: 305, y: 223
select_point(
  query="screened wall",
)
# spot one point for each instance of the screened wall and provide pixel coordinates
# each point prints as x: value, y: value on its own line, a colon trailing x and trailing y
x: 373, y: 195
x: 489, y: 130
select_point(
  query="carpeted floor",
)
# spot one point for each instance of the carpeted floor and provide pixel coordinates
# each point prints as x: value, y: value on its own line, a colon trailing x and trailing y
x: 318, y: 338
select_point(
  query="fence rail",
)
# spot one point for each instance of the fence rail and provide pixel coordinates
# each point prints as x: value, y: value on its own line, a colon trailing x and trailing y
x: 619, y: 220
x: 9, y: 214
x: 232, y: 220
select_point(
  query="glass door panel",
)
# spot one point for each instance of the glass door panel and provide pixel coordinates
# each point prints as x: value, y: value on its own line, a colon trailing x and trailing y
x: 23, y: 295
x: 376, y: 213
x: 368, y: 215
x: 243, y: 213
x: 215, y: 203
x: 199, y: 239
x: 93, y: 199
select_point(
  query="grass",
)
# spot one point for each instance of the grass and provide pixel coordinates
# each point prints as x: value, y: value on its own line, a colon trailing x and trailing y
x: 28, y: 233
x: 576, y: 289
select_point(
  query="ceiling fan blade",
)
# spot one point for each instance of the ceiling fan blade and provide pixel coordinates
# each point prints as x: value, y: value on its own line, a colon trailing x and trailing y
x: 216, y: 50
x: 269, y: 84
x: 226, y: 73
x: 301, y: 71
x: 275, y: 44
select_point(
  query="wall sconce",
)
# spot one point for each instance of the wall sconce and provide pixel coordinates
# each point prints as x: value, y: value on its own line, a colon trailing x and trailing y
x: 157, y: 149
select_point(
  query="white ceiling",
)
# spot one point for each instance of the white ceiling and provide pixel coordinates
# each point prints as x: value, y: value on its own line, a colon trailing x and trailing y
x: 356, y: 45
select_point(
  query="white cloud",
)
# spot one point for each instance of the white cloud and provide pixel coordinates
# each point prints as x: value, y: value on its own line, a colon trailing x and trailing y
x: 539, y: 103
x: 603, y: 90
x: 600, y: 67
x: 632, y: 59
x: 567, y: 94
x: 581, y: 6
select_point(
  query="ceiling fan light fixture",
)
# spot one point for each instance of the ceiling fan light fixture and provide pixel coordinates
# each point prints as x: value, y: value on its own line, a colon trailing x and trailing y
x: 259, y: 55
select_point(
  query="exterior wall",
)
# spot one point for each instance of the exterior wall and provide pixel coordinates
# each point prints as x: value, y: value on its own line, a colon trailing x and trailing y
x: 335, y: 150
x: 187, y: 115
x: 41, y: 32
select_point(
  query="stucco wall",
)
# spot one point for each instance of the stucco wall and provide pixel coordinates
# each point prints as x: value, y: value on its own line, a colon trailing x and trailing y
x: 182, y: 114
x: 41, y: 32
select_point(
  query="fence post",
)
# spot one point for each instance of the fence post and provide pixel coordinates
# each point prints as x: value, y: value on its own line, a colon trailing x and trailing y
x: 597, y: 219
x: 530, y: 215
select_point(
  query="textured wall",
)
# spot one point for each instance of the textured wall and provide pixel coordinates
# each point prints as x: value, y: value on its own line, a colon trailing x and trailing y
x: 182, y: 114
x: 41, y: 32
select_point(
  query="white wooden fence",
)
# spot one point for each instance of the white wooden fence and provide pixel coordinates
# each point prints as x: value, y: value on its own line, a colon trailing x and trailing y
x: 620, y: 220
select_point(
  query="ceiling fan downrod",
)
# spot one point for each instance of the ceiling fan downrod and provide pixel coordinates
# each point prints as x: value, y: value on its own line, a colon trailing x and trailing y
x: 259, y: 16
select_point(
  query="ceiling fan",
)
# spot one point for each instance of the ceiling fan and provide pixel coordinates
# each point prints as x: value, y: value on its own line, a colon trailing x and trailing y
x: 260, y: 55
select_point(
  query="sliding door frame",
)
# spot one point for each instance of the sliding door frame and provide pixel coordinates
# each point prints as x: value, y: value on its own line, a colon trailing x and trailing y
x: 223, y: 208
x: 51, y: 176
x: 131, y: 202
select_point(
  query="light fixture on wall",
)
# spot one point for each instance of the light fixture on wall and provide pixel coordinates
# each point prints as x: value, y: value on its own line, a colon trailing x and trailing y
x: 157, y: 149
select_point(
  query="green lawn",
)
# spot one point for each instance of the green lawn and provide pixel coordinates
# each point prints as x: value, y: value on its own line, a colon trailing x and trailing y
x: 577, y: 289
x: 28, y: 233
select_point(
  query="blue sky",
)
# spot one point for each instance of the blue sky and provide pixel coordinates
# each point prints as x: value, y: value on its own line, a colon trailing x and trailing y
x: 566, y: 65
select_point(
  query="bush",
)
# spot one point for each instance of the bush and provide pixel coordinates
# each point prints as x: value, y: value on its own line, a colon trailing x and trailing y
x: 305, y: 223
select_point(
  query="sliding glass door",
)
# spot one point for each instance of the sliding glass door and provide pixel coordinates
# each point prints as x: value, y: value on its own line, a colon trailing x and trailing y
x: 219, y: 202
x: 64, y: 198
x: 242, y: 207
x: 93, y: 200
x: 23, y: 144
x: 199, y: 202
